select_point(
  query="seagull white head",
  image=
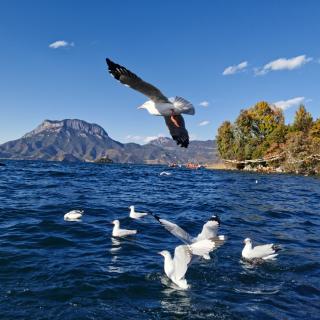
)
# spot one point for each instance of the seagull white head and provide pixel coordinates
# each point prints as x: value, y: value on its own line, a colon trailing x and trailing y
x: 164, y: 253
x: 116, y: 222
x: 216, y: 219
x: 247, y: 240
x: 131, y: 207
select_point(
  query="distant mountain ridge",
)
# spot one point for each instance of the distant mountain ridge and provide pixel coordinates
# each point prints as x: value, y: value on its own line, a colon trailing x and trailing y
x: 75, y: 124
x: 78, y: 140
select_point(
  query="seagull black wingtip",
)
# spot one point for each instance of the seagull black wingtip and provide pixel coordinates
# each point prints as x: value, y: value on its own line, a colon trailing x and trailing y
x: 109, y: 62
x: 155, y: 216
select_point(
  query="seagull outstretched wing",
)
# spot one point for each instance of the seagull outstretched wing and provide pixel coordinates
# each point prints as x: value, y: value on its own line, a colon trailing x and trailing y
x: 178, y: 130
x: 174, y: 229
x: 131, y: 80
x: 181, y: 260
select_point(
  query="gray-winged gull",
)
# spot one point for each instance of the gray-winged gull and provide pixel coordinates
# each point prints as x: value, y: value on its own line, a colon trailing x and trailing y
x: 175, y: 268
x: 171, y: 109
x: 117, y: 232
x: 209, y: 231
x: 136, y: 215
x: 265, y: 252
x: 73, y: 215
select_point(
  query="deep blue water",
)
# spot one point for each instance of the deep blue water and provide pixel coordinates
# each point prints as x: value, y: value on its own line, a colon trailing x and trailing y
x: 53, y: 269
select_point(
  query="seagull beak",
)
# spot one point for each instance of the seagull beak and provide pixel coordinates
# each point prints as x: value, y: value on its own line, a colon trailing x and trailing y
x: 140, y: 107
x: 159, y: 253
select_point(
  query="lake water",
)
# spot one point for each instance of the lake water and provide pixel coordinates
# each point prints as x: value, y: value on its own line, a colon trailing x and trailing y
x: 53, y: 269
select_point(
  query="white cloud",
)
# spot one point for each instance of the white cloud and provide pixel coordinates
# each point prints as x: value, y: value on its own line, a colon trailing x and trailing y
x: 143, y: 139
x: 204, y: 123
x: 236, y: 68
x: 150, y: 138
x: 193, y: 136
x: 285, y: 104
x: 61, y: 44
x: 283, y: 64
x: 132, y: 138
x: 204, y: 103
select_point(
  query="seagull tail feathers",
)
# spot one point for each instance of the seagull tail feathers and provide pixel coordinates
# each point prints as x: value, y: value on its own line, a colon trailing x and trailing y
x: 183, y: 105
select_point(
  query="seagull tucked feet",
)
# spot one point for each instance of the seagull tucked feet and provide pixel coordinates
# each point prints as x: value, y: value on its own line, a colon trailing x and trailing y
x: 209, y: 231
x: 158, y: 105
x: 175, y: 268
x: 136, y: 215
x: 117, y: 232
x: 73, y: 215
x: 261, y: 252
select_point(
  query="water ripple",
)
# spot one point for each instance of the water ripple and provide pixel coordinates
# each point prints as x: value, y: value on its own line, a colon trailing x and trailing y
x: 50, y: 268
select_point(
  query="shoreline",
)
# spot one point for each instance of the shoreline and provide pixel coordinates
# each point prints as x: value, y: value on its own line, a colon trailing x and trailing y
x: 211, y: 166
x: 259, y: 169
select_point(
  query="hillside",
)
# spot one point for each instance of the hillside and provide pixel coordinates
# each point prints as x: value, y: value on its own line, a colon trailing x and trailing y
x: 78, y: 140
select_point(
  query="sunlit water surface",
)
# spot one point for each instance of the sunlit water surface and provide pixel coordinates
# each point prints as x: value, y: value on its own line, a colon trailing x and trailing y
x: 53, y: 269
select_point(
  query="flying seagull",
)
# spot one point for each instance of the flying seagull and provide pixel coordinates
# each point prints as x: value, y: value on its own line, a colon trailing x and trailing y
x: 175, y: 268
x: 159, y: 105
x: 117, y: 232
x: 209, y: 231
x: 264, y: 252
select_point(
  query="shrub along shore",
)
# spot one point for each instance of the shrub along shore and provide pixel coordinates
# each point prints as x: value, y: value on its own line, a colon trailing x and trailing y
x: 259, y: 140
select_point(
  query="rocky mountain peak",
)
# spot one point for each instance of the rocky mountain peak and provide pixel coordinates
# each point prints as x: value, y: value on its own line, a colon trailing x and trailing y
x: 51, y: 126
x: 161, y: 141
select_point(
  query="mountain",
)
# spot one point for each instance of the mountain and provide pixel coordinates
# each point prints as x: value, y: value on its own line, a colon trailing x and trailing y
x: 77, y: 140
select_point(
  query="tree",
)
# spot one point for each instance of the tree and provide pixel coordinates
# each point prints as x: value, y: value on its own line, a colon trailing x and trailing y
x: 225, y: 140
x: 261, y: 132
x: 302, y: 120
x: 257, y: 128
x: 315, y: 130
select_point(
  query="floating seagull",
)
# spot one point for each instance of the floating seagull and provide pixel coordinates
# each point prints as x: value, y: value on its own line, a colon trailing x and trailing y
x: 176, y: 268
x: 165, y: 173
x: 73, y: 215
x: 209, y: 231
x: 159, y: 105
x: 265, y: 252
x: 136, y: 215
x: 117, y: 232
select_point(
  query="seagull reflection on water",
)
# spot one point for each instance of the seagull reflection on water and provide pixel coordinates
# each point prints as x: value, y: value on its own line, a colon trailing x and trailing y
x: 173, y: 300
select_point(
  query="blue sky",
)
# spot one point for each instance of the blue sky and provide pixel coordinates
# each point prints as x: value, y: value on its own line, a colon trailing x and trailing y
x: 222, y: 56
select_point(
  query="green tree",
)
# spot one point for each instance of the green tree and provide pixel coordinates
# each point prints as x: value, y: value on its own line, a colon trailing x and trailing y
x: 225, y: 140
x: 302, y: 120
x: 260, y: 131
x: 315, y: 130
x: 258, y: 128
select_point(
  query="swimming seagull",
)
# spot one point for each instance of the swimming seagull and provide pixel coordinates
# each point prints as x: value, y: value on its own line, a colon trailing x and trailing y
x: 159, y: 105
x: 165, y: 173
x: 117, y: 232
x: 175, y: 268
x: 136, y: 215
x: 209, y: 231
x: 73, y: 215
x: 265, y: 252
